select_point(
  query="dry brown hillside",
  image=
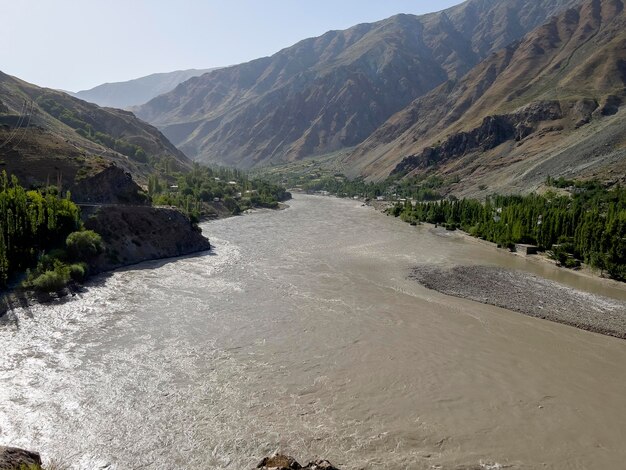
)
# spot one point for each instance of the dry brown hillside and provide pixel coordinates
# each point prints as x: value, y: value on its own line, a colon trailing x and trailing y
x: 549, y: 104
x: 329, y: 93
x: 50, y: 137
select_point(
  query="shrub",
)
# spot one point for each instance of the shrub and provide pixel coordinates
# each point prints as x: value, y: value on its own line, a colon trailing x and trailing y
x: 617, y: 271
x: 51, y: 281
x: 83, y: 245
x: 50, y: 260
x: 78, y: 271
x: 571, y: 263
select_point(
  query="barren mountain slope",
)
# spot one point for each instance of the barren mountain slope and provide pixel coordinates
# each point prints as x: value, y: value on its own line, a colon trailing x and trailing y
x: 138, y: 91
x: 549, y: 103
x: 49, y: 136
x: 332, y: 92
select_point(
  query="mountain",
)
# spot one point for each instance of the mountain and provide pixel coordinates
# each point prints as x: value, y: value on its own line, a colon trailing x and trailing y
x: 138, y: 91
x: 332, y: 92
x: 547, y: 105
x: 49, y: 136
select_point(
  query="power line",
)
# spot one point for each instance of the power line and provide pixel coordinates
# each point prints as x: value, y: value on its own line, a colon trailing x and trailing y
x: 30, y: 115
x: 17, y: 125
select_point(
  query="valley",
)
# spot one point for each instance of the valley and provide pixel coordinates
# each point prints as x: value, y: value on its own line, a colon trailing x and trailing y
x: 175, y: 292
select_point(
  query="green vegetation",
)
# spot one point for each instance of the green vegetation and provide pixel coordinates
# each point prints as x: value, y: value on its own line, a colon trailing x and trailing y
x: 83, y: 245
x: 589, y: 225
x: 416, y: 188
x: 40, y: 235
x: 86, y: 130
x: 318, y: 175
x: 197, y: 191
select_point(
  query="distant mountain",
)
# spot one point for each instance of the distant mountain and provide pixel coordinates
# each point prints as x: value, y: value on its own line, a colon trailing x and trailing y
x: 139, y: 91
x: 332, y: 92
x: 547, y: 105
x: 50, y: 137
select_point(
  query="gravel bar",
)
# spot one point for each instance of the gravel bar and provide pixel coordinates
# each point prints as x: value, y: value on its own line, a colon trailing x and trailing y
x: 528, y: 294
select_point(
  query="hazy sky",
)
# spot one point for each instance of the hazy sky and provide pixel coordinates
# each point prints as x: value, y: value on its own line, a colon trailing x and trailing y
x: 77, y: 44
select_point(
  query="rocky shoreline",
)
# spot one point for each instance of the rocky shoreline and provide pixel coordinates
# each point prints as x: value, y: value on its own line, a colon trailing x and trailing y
x: 13, y: 458
x: 285, y: 462
x: 131, y: 235
x: 527, y: 294
x: 134, y: 234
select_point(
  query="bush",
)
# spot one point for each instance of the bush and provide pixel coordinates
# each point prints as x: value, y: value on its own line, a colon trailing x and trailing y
x: 83, y: 245
x: 50, y: 260
x: 617, y: 271
x: 572, y: 263
x: 78, y: 271
x: 51, y: 281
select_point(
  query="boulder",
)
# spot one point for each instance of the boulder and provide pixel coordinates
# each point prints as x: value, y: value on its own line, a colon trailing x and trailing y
x: 284, y: 462
x: 321, y: 465
x: 12, y: 458
x: 279, y: 462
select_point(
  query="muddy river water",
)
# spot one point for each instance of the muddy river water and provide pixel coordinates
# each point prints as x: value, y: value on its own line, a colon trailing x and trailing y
x: 302, y: 333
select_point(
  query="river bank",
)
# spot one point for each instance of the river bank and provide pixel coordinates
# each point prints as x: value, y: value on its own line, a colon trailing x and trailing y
x: 133, y: 235
x: 524, y: 292
x: 528, y: 294
x: 301, y: 333
x: 583, y: 270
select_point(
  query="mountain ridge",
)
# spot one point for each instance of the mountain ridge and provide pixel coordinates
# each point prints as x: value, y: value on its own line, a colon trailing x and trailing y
x: 137, y: 91
x: 331, y: 92
x: 47, y: 136
x: 576, y: 62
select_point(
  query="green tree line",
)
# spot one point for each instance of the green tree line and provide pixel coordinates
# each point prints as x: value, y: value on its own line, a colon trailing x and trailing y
x: 40, y: 234
x: 196, y: 190
x: 417, y: 188
x: 589, y: 225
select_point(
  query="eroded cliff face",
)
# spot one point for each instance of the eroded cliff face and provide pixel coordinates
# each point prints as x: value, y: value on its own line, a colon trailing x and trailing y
x: 133, y: 234
x: 493, y: 131
x: 111, y: 186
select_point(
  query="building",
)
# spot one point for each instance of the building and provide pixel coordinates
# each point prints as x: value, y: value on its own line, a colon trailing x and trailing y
x: 526, y: 249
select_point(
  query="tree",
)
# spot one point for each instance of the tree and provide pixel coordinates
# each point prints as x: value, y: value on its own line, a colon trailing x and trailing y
x: 84, y: 245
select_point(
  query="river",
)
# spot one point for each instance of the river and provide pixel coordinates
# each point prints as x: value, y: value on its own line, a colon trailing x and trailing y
x: 302, y: 333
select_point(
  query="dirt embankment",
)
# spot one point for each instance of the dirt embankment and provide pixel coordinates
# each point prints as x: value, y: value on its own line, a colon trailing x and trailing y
x: 528, y: 294
x: 133, y: 234
x: 111, y: 186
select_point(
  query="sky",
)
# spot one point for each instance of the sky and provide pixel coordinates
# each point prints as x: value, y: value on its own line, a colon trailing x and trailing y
x: 77, y: 44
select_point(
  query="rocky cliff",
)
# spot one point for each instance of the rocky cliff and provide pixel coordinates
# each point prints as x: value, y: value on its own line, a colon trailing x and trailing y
x: 113, y: 185
x: 12, y: 458
x: 470, y: 129
x: 492, y: 132
x: 133, y: 234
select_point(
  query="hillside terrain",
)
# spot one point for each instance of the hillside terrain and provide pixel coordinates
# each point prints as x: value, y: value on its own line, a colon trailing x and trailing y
x: 138, y: 91
x: 66, y: 148
x: 49, y: 137
x: 547, y: 105
x: 332, y: 92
